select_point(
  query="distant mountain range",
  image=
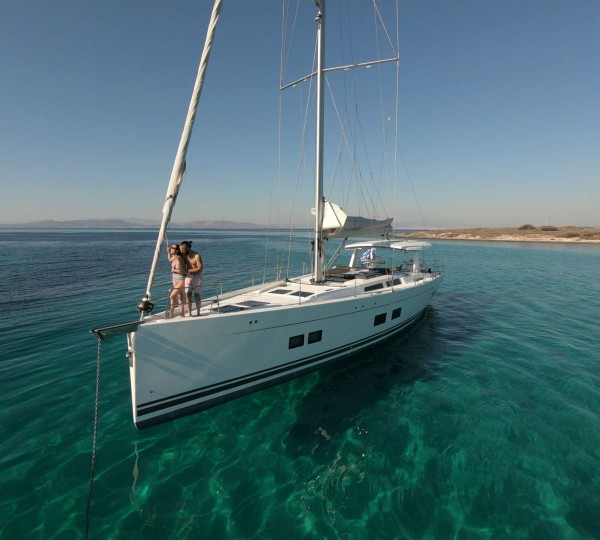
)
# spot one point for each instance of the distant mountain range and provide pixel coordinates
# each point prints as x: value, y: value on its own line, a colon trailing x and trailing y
x: 129, y: 224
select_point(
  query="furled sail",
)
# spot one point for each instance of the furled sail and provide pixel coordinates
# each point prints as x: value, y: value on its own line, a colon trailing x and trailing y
x: 178, y: 171
x: 337, y: 223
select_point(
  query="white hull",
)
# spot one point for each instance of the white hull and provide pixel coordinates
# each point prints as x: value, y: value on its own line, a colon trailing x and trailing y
x: 184, y: 365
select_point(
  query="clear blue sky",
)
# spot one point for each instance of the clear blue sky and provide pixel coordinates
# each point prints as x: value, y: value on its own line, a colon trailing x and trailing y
x: 500, y: 116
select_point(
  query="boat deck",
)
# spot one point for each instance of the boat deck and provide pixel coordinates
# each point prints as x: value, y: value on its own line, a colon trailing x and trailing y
x: 340, y: 282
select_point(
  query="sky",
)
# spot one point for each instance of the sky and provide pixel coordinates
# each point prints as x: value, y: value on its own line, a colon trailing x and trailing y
x: 499, y: 116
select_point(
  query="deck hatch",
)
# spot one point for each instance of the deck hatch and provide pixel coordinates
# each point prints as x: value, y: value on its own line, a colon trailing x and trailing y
x: 280, y: 291
x: 228, y: 309
x: 303, y: 294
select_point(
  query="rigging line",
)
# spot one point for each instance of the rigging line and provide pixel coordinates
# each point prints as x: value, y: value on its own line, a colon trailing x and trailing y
x: 412, y: 187
x: 343, y: 52
x: 389, y: 104
x: 302, y: 156
x: 343, y: 138
x: 395, y: 201
x: 276, y: 181
x: 284, y: 25
x: 310, y: 240
x: 378, y: 12
x: 356, y: 116
x: 350, y: 39
x: 397, y: 111
x: 342, y: 142
x: 338, y: 166
x: 94, y: 440
x: 343, y: 132
x: 381, y: 102
x: 351, y: 129
x: 349, y: 92
x: 370, y: 169
x: 398, y: 147
x: 368, y: 200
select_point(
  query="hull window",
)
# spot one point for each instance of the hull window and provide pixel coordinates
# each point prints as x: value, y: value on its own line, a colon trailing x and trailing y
x: 313, y: 337
x: 379, y: 319
x: 396, y: 313
x: 296, y: 341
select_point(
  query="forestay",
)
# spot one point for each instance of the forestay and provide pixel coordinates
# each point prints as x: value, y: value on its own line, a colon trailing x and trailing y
x: 179, y: 165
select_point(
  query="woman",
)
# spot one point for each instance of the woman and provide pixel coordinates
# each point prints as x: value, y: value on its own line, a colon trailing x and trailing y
x: 178, y: 272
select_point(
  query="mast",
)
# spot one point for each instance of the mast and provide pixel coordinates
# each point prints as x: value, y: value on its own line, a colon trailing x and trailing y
x: 178, y: 171
x: 318, y: 247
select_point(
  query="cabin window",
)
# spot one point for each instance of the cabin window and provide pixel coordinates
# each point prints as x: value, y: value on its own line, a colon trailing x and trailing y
x: 379, y: 319
x: 296, y: 341
x: 396, y: 313
x: 374, y: 287
x: 313, y: 337
x: 397, y: 281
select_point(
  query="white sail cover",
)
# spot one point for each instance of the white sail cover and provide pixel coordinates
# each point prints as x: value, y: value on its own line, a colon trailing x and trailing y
x: 337, y: 223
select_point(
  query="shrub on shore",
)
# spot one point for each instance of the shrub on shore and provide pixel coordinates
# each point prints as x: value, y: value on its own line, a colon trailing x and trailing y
x: 527, y: 227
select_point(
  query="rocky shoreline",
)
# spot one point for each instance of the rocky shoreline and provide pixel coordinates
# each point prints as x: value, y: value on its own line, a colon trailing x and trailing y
x: 525, y: 233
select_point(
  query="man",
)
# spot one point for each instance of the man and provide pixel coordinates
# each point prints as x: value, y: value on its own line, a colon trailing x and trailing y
x: 193, y: 280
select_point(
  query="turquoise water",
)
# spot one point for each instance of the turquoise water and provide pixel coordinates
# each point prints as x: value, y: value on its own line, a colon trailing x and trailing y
x: 482, y: 423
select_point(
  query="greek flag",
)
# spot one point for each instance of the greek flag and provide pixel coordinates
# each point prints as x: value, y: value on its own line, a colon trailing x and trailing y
x: 367, y: 256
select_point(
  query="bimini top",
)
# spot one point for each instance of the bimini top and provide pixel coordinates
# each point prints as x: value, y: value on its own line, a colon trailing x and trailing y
x: 389, y: 244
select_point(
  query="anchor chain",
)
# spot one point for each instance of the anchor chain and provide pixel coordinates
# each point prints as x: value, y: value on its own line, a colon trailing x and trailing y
x: 91, y: 488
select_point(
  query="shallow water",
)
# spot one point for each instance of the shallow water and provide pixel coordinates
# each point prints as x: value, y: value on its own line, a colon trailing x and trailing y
x: 482, y: 423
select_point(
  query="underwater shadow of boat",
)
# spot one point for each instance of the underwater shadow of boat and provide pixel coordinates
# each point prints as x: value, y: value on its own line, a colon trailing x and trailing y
x: 347, y: 388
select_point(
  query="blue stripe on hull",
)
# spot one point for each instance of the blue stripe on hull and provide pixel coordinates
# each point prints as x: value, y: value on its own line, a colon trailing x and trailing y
x: 258, y: 380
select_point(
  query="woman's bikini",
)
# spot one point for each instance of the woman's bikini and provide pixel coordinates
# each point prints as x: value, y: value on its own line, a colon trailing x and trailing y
x: 177, y: 268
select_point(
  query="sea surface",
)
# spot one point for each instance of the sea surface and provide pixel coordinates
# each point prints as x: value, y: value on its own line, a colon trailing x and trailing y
x: 482, y: 423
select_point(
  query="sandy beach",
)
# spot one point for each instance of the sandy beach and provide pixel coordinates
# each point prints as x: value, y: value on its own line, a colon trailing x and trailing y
x: 526, y: 233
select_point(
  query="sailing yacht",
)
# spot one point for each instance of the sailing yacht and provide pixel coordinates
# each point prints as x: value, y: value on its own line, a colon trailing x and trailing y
x: 262, y: 335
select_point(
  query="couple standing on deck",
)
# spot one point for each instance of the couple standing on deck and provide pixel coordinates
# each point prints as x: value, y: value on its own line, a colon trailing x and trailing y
x: 186, y: 268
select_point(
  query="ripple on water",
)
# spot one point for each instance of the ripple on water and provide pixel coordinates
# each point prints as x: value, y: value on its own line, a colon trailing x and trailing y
x: 482, y: 423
